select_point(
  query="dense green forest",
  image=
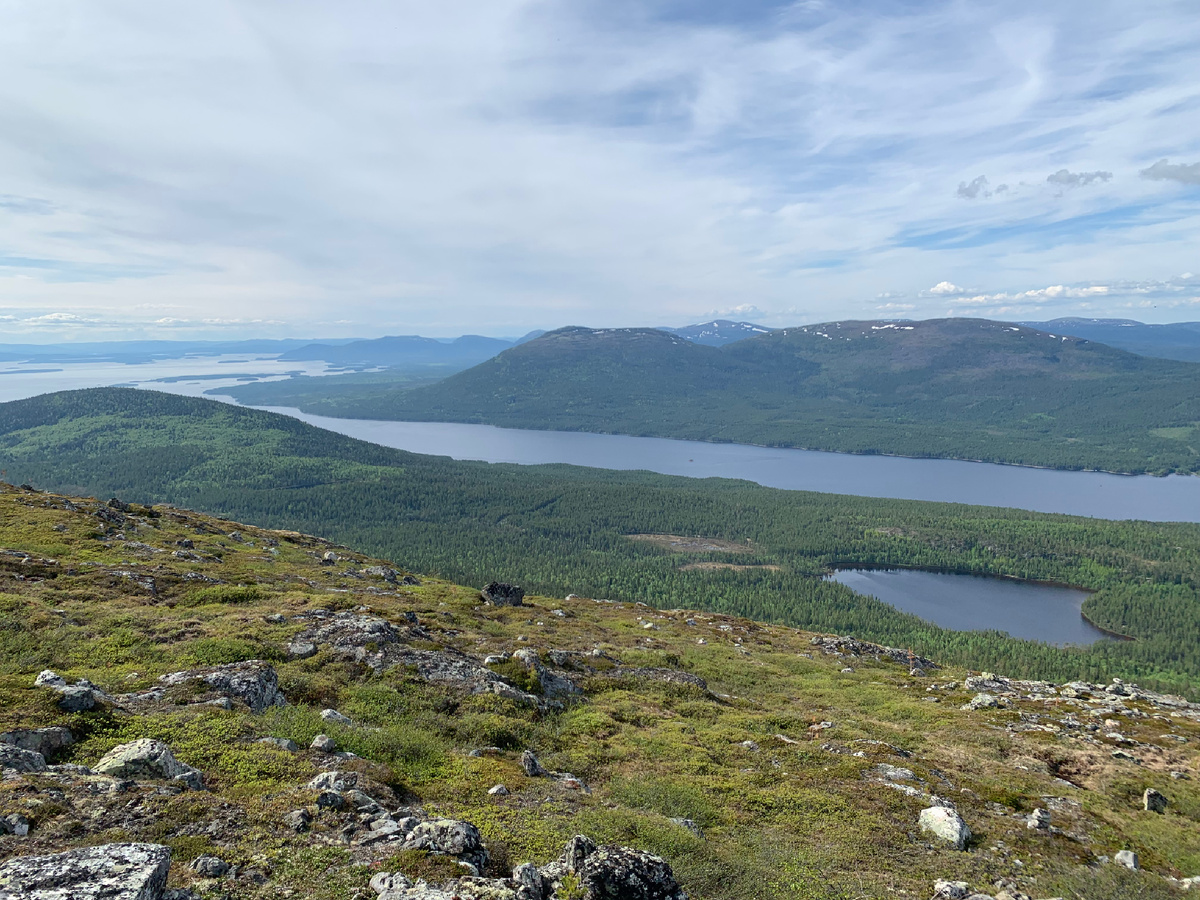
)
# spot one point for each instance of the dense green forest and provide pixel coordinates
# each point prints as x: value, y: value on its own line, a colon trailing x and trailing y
x: 559, y: 529
x: 960, y: 388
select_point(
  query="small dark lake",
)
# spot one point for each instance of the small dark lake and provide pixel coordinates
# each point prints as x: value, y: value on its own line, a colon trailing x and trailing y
x: 1037, y: 612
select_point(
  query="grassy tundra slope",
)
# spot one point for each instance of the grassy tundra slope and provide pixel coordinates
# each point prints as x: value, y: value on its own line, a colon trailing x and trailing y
x: 559, y: 529
x: 962, y: 388
x: 801, y: 766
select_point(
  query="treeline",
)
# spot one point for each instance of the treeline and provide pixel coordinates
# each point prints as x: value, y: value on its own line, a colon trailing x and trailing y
x: 559, y: 529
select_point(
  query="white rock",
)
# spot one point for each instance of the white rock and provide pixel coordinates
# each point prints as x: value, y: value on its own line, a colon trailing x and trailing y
x: 945, y: 825
x: 332, y: 715
x: 1126, y: 858
x: 147, y: 758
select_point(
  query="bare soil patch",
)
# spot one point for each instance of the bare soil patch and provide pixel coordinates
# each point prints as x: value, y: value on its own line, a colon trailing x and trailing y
x: 681, y: 544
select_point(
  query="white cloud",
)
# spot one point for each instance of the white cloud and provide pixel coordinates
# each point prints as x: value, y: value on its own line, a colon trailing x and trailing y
x: 945, y: 287
x: 508, y: 164
x: 1166, y: 171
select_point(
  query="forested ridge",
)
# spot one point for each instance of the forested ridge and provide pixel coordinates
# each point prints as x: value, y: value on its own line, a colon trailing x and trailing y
x: 559, y: 529
x: 956, y: 388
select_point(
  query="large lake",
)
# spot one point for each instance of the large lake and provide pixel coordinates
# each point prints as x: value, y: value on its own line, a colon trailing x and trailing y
x: 1037, y: 612
x: 1176, y: 498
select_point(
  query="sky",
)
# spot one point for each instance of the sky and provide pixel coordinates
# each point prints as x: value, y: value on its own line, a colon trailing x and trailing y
x: 293, y: 168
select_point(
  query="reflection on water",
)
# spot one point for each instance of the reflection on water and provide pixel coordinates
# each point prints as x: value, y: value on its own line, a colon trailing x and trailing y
x: 1037, y: 612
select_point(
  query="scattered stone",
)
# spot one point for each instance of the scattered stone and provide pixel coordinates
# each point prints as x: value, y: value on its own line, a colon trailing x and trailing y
x: 332, y: 715
x: 106, y: 872
x: 46, y: 741
x: 690, y: 825
x: 148, y: 758
x: 1126, y: 858
x: 323, y: 743
x: 301, y: 649
x: 14, y: 824
x: 1153, y: 801
x: 329, y: 558
x: 282, y: 743
x: 330, y: 800
x: 499, y: 593
x: 982, y: 701
x: 298, y: 820
x: 498, y: 790
x: 19, y: 759
x: 209, y: 866
x: 945, y: 825
x: 533, y: 768
x: 334, y: 781
x: 951, y: 890
x: 1039, y: 820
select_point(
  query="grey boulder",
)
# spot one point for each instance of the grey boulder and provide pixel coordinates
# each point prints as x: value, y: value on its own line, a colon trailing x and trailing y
x: 147, y: 758
x: 450, y: 837
x: 499, y: 593
x: 106, y: 872
x: 21, y: 760
x: 46, y: 741
x: 622, y: 873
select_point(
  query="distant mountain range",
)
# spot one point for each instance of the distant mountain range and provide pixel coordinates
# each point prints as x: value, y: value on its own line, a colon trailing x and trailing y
x: 1178, y: 340
x: 963, y: 388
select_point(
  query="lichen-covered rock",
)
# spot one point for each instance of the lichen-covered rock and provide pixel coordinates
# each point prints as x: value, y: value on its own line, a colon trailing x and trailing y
x: 46, y: 741
x: 334, y: 781
x: 946, y: 825
x: 253, y: 682
x: 147, y: 758
x: 499, y: 593
x: 209, y: 866
x: 982, y: 701
x: 450, y: 837
x: 106, y: 872
x: 76, y: 698
x: 621, y: 873
x: 21, y: 760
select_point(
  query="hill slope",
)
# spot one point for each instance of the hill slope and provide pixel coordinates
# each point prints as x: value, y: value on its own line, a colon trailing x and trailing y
x: 558, y: 529
x: 962, y: 388
x: 1177, y: 340
x: 757, y: 761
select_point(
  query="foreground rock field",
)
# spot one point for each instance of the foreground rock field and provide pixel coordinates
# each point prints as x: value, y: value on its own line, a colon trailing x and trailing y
x: 191, y: 707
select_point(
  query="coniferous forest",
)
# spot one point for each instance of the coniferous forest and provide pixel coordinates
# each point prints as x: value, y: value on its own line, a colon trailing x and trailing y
x: 560, y: 529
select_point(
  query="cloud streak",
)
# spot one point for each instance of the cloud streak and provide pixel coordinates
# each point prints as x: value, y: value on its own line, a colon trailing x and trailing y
x: 504, y: 165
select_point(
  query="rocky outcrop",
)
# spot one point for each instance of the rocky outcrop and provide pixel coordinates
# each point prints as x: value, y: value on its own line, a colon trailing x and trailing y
x: 106, y: 872
x: 500, y: 593
x: 148, y: 759
x: 620, y: 873
x: 848, y: 646
x: 253, y: 682
x: 46, y: 741
x: 599, y: 873
x: 450, y: 837
x: 18, y: 759
x: 78, y: 697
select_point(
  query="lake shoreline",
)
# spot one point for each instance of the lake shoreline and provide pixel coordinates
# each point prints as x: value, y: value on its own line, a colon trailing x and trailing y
x: 718, y: 441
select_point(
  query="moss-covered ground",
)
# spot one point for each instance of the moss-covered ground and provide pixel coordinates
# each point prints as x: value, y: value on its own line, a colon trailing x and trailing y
x: 775, y: 763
